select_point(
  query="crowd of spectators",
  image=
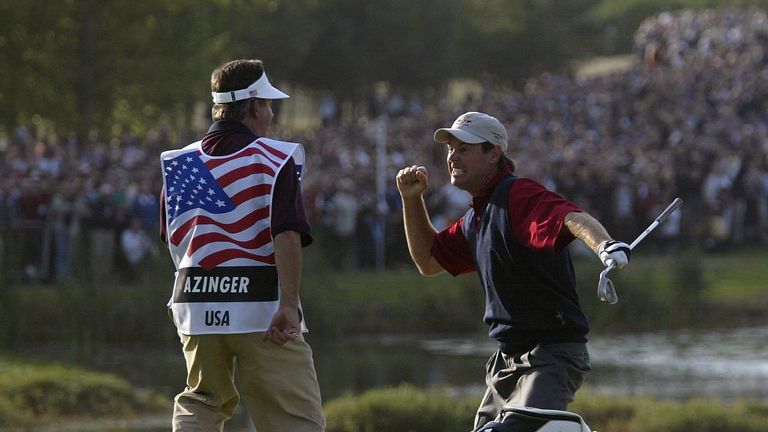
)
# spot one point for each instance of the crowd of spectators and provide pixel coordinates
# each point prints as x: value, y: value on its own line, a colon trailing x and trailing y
x: 687, y: 118
x: 62, y: 200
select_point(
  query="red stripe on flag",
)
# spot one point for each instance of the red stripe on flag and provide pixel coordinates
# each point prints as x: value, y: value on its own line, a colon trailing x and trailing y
x: 215, y: 259
x: 250, y: 219
x: 250, y: 151
x: 238, y: 173
x: 250, y: 193
x: 273, y: 150
x: 262, y: 238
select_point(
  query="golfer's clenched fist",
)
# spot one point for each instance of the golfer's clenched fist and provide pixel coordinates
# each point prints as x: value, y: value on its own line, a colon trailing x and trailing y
x: 412, y: 181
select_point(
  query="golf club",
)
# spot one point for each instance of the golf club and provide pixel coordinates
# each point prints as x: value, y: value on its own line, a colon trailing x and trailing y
x: 605, y: 290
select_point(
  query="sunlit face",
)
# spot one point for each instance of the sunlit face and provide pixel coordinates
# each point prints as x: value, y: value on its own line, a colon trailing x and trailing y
x: 470, y: 168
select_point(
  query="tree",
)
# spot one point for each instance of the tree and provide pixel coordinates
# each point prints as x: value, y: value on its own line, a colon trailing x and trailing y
x: 101, y: 65
x: 37, y: 57
x: 410, y: 44
x: 510, y: 40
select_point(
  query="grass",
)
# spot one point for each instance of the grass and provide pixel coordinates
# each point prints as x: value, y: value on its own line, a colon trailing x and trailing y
x: 37, y: 395
x: 656, y: 290
x: 34, y: 393
x: 733, y: 277
x: 687, y: 288
x: 373, y: 302
x: 739, y: 277
x: 627, y: 414
x: 403, y: 408
x: 406, y: 408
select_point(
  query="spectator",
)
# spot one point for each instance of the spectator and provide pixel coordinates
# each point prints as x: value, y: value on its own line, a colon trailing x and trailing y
x: 344, y: 207
x: 136, y: 245
x: 103, y: 232
x: 146, y: 207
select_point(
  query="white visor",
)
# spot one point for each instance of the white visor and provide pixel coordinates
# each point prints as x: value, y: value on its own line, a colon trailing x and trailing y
x: 261, y: 89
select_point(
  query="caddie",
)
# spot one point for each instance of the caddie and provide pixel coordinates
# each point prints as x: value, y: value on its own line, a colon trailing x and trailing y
x: 234, y: 222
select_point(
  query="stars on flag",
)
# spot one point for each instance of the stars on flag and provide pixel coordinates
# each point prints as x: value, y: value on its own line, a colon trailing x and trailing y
x: 190, y: 185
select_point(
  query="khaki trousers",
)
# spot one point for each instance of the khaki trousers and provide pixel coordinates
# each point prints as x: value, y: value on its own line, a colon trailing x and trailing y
x: 278, y: 384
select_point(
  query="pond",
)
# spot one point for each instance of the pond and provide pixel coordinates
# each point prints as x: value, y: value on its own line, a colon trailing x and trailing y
x: 726, y: 364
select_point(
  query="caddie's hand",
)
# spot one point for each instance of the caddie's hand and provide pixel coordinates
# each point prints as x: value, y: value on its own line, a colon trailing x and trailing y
x: 412, y: 181
x: 613, y: 251
x: 285, y: 325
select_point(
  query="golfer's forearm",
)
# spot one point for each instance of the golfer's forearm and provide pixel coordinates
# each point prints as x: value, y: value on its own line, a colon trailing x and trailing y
x: 587, y: 229
x: 420, y: 234
x: 288, y: 262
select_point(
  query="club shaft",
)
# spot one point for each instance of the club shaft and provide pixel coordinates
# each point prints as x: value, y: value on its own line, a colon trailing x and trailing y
x: 605, y: 290
x: 668, y: 211
x: 644, y: 234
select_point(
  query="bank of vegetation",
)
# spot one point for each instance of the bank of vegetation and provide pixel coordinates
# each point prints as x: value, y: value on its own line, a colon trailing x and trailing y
x: 34, y: 394
x: 406, y: 408
x: 657, y: 290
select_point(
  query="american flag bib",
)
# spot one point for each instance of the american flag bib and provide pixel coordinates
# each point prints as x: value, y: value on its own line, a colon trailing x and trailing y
x: 218, y: 214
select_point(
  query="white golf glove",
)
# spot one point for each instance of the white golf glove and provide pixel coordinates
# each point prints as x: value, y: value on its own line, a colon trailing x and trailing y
x: 613, y: 251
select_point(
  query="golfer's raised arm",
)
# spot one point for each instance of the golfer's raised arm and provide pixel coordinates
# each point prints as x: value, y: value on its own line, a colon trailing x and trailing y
x: 412, y: 181
x: 586, y: 228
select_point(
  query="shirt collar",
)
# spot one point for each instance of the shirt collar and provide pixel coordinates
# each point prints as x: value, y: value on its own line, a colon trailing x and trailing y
x: 229, y: 126
x: 480, y: 200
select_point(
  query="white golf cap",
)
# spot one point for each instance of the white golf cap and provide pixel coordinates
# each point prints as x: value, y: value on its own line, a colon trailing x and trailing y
x: 261, y: 88
x: 475, y: 128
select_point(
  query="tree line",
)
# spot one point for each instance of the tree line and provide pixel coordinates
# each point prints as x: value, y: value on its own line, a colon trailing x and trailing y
x: 85, y: 65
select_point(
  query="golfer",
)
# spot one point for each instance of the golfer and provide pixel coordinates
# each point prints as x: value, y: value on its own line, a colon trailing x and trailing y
x: 515, y: 236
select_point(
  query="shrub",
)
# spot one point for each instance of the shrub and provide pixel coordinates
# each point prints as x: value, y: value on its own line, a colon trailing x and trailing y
x: 9, y: 416
x: 40, y: 392
x: 657, y: 291
x: 700, y: 416
x: 407, y: 409
x: 401, y: 409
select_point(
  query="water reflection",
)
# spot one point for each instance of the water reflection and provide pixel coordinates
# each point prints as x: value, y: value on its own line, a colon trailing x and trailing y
x: 723, y: 364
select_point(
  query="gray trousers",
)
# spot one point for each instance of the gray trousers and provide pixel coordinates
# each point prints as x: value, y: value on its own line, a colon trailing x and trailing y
x: 546, y: 377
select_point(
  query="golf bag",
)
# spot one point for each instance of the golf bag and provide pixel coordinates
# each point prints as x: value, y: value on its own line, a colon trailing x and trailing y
x: 524, y: 419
